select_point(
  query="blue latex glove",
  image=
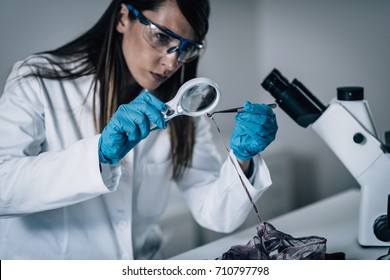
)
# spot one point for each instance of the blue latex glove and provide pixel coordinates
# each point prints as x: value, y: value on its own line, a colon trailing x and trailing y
x: 254, y: 130
x: 129, y: 125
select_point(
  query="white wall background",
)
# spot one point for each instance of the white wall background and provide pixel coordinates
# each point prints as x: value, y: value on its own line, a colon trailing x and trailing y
x: 324, y: 44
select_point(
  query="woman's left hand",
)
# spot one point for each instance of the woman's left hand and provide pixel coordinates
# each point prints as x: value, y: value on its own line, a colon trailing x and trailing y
x: 254, y: 130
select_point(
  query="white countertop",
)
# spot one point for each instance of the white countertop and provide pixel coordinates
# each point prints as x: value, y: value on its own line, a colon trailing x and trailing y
x: 335, y: 218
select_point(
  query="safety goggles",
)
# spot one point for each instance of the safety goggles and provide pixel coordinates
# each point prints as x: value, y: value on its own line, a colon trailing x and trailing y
x: 165, y: 41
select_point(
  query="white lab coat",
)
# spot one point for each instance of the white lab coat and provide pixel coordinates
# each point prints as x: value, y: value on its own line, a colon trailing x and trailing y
x: 56, y: 204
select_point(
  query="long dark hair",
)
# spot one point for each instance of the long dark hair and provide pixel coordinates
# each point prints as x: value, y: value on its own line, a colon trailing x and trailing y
x: 99, y: 52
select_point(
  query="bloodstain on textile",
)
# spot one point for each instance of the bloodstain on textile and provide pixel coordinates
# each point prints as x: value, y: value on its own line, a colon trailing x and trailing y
x: 271, y: 244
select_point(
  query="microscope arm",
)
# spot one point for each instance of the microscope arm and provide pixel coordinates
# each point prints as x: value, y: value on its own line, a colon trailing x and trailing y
x: 346, y: 127
x: 364, y: 156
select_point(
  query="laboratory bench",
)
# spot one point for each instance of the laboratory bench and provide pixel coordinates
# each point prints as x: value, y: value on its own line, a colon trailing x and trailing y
x: 334, y: 218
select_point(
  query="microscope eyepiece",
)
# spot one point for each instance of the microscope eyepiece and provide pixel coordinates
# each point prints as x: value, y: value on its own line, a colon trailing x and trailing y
x: 275, y: 83
x: 294, y: 98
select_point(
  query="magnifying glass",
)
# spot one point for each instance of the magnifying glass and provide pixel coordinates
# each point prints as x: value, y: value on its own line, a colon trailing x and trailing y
x: 194, y: 98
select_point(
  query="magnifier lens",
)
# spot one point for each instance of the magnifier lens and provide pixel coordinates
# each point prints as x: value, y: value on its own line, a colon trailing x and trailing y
x: 194, y: 98
x: 198, y: 98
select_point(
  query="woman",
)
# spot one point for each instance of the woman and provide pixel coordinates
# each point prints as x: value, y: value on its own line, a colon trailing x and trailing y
x: 81, y: 174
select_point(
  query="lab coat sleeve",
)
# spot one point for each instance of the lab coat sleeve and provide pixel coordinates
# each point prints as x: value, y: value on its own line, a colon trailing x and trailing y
x: 34, y: 180
x: 213, y: 191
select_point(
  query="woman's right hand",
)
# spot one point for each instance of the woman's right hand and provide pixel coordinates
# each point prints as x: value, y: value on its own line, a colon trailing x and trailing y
x: 129, y: 125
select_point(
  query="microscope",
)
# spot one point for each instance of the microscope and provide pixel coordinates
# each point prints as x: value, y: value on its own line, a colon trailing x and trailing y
x: 347, y: 128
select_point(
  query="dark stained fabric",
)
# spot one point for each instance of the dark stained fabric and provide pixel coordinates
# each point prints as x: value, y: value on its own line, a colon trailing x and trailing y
x: 271, y: 244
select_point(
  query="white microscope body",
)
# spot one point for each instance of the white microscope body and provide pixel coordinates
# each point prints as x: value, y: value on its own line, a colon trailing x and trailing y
x: 346, y: 126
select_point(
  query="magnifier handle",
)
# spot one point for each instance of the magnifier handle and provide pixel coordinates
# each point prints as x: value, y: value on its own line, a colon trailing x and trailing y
x: 168, y: 114
x: 153, y: 127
